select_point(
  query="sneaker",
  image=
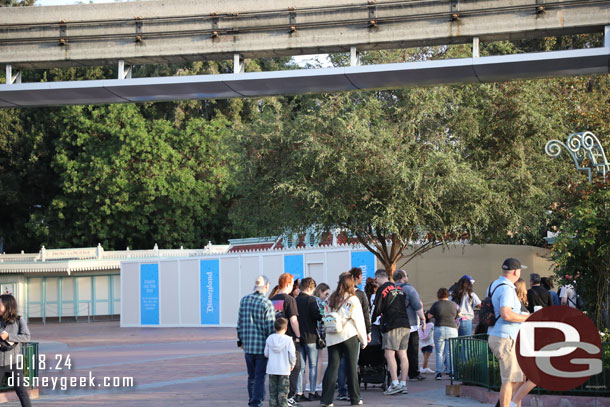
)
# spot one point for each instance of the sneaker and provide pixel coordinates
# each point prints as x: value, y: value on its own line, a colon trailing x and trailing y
x: 314, y: 396
x: 418, y: 378
x: 357, y: 403
x: 343, y: 398
x: 427, y: 370
x: 393, y: 389
x: 439, y: 376
x: 403, y: 389
x: 327, y: 405
x: 292, y: 402
x: 299, y: 397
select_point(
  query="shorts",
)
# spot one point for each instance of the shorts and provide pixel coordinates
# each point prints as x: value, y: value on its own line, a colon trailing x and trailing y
x: 427, y: 349
x: 504, y: 350
x: 396, y: 339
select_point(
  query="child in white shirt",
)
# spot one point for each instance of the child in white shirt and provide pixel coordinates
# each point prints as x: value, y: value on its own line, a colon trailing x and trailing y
x: 280, y: 350
x: 426, y: 343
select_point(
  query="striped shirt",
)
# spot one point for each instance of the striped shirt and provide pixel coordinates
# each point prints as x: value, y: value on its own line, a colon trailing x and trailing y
x: 255, y: 322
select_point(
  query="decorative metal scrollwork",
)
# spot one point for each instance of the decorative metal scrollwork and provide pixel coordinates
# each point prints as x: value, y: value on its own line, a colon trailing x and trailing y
x: 586, y: 151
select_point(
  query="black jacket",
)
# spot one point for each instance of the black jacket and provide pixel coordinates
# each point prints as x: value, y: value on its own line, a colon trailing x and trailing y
x: 309, y: 315
x: 540, y: 296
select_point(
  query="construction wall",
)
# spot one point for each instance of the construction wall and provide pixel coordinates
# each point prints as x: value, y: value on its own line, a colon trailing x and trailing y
x: 205, y: 291
x: 443, y: 267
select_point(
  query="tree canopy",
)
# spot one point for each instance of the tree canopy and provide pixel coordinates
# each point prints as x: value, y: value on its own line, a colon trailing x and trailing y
x: 363, y: 163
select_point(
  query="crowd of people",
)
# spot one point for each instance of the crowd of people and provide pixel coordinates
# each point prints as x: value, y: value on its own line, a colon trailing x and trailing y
x: 284, y: 331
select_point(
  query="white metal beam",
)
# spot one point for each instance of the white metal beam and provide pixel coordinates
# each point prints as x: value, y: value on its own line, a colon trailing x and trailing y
x: 259, y: 84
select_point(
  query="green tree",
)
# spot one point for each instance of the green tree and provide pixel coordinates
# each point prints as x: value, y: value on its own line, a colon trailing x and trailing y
x: 127, y: 181
x: 582, y: 250
x: 375, y: 164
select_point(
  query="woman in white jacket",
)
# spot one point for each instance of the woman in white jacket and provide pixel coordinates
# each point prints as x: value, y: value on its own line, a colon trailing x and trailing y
x: 348, y: 340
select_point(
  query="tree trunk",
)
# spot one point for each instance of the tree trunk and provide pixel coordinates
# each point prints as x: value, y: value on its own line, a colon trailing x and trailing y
x: 390, y: 268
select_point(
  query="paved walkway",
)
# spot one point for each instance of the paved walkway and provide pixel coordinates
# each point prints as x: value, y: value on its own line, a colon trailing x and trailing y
x: 172, y: 367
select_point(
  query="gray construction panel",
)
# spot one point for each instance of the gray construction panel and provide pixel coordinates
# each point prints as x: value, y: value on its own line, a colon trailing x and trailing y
x: 291, y: 82
x: 410, y: 74
x: 172, y: 88
x: 540, y: 65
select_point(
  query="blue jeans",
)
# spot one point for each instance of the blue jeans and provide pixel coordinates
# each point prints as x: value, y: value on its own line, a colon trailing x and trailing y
x: 465, y: 328
x: 308, y: 351
x: 342, y: 378
x: 257, y: 368
x: 441, y: 334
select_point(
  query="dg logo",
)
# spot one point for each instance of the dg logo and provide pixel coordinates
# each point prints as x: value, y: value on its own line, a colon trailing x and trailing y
x: 559, y: 348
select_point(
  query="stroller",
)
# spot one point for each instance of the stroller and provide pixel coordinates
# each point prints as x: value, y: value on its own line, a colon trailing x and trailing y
x: 372, y: 366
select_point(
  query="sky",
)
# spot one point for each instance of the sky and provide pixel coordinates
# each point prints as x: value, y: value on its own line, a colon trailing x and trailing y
x: 321, y: 59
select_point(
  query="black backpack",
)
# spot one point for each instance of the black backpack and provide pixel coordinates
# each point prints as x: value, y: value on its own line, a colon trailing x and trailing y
x: 487, y: 315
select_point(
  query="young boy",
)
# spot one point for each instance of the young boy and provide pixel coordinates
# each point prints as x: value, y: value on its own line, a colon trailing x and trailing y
x: 280, y: 350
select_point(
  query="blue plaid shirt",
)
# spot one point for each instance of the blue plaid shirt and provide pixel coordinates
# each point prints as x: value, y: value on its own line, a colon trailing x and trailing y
x: 255, y: 322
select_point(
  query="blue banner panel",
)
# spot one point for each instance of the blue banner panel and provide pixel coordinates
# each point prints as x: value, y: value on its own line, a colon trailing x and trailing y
x: 366, y: 261
x: 294, y: 265
x: 149, y: 294
x: 210, y: 292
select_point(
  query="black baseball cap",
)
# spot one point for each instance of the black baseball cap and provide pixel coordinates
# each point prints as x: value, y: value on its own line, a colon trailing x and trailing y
x: 512, y: 264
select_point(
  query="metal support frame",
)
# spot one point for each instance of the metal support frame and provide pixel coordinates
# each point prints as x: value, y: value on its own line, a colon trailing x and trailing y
x: 12, y: 78
x: 475, y: 47
x: 124, y: 70
x: 454, y: 9
x: 586, y: 151
x: 292, y: 21
x: 63, y: 33
x: 138, y: 37
x: 372, y: 14
x: 239, y: 65
x: 354, y: 57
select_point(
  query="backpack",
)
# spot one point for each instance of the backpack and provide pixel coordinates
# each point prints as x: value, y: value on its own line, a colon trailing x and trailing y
x: 394, y: 292
x: 578, y: 303
x: 335, y: 321
x: 487, y: 315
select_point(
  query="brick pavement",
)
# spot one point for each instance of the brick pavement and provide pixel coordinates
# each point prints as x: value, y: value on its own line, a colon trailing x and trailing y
x: 174, y: 367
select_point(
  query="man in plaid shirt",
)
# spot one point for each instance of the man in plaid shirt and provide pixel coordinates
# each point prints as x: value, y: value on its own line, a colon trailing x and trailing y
x: 254, y: 325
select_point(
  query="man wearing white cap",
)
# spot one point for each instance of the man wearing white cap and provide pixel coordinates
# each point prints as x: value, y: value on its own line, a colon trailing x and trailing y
x: 254, y: 325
